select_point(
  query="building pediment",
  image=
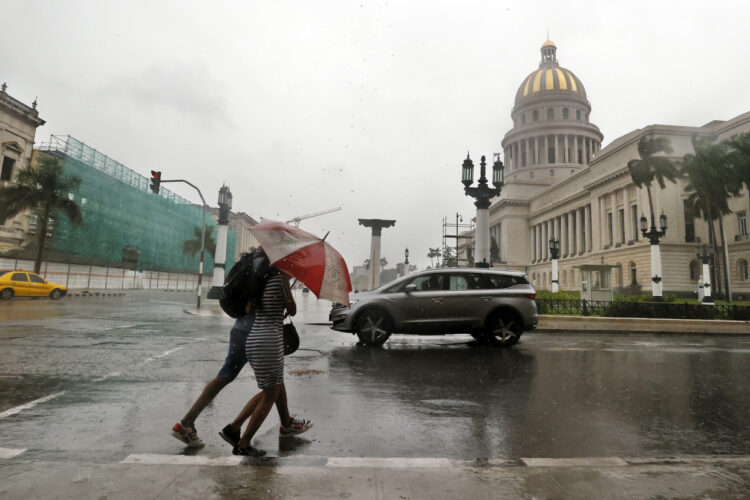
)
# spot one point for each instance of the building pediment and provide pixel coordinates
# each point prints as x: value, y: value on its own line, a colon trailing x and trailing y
x: 12, y: 146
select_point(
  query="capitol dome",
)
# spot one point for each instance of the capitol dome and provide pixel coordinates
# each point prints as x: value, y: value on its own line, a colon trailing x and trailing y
x: 550, y: 77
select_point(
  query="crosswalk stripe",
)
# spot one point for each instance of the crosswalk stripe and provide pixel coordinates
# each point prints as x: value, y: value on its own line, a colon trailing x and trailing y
x: 389, y: 463
x: 11, y: 452
x: 575, y: 462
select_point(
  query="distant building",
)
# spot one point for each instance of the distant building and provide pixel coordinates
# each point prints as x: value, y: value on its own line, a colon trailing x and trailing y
x: 18, y: 124
x: 561, y: 183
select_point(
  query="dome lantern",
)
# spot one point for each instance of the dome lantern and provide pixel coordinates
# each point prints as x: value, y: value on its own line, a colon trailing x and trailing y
x: 549, y: 53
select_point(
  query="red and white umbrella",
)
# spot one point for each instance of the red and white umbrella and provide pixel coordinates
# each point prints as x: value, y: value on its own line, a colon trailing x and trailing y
x: 306, y: 257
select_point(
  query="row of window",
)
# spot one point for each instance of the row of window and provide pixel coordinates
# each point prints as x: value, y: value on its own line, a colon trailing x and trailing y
x: 551, y: 115
x: 458, y: 282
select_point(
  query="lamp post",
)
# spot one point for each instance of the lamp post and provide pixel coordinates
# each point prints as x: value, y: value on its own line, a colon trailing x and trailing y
x: 483, y: 193
x: 554, y: 250
x: 220, y: 257
x: 653, y: 235
x: 705, y: 258
x: 458, y: 219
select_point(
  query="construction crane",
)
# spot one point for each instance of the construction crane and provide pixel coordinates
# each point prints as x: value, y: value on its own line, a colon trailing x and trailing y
x: 297, y: 219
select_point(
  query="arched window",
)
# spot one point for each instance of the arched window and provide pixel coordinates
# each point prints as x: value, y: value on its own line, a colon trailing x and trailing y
x: 695, y: 270
x: 535, y: 115
x: 564, y: 278
x: 578, y: 114
x: 742, y: 270
x: 566, y: 114
x: 550, y: 114
x: 533, y: 279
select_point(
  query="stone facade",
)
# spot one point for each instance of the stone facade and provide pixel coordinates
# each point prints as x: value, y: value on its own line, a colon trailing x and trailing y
x: 18, y: 124
x: 560, y: 183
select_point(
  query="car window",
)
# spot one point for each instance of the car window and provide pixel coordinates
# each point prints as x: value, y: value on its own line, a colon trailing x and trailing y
x: 19, y: 277
x: 429, y: 282
x: 36, y: 279
x: 459, y: 282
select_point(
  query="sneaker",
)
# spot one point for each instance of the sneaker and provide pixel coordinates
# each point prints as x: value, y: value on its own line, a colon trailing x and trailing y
x: 296, y: 426
x: 248, y: 451
x: 230, y: 435
x: 187, y: 435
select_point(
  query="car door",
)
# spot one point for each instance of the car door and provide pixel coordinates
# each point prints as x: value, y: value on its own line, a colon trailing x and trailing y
x: 470, y: 300
x: 39, y: 286
x: 420, y: 311
x: 21, y: 285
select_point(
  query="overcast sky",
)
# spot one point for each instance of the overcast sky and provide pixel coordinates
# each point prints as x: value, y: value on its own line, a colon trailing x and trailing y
x: 371, y: 106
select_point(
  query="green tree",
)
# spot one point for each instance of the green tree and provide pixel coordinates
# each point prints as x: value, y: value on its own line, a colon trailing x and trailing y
x: 740, y: 157
x: 434, y: 252
x: 711, y: 181
x: 653, y: 165
x: 193, y: 246
x: 45, y: 190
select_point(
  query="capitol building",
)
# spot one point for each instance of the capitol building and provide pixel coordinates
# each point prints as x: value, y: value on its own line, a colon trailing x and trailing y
x: 560, y: 182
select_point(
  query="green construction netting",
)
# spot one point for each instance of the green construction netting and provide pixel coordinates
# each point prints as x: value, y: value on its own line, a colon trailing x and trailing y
x: 124, y: 223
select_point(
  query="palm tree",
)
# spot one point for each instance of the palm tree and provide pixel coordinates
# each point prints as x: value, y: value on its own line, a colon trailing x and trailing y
x: 383, y: 262
x: 650, y: 167
x: 711, y: 182
x: 193, y: 246
x: 740, y: 157
x: 44, y: 190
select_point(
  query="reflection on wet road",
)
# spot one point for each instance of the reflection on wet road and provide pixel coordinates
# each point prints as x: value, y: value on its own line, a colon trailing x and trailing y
x: 123, y: 370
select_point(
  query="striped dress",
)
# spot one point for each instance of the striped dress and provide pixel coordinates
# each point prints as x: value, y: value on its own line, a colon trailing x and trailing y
x: 265, y: 342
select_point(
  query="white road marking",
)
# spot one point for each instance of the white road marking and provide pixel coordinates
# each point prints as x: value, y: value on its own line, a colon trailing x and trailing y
x: 389, y: 463
x: 11, y: 452
x: 30, y: 404
x: 575, y: 462
x: 169, y: 302
x: 155, y: 459
x: 162, y: 355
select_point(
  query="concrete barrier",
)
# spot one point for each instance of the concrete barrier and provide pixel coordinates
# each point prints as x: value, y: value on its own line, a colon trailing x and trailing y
x: 582, y: 324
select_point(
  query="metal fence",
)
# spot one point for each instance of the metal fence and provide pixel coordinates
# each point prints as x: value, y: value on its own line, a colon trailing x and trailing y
x: 626, y: 309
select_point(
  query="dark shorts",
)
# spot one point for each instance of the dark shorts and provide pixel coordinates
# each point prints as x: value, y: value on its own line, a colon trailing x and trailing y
x: 236, y: 359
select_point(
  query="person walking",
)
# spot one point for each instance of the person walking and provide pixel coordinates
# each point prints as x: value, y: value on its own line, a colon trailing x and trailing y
x: 184, y: 430
x: 265, y: 353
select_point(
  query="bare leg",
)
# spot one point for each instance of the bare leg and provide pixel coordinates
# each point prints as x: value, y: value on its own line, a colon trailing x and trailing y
x: 209, y: 393
x: 283, y: 409
x: 247, y: 411
x: 267, y: 399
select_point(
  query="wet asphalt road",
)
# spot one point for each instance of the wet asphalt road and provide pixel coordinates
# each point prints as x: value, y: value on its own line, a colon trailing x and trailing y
x: 115, y: 373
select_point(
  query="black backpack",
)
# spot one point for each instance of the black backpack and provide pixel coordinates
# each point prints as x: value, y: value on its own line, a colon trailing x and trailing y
x: 245, y: 282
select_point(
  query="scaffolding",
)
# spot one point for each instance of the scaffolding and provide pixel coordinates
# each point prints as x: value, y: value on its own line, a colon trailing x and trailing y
x: 124, y: 223
x: 453, y: 251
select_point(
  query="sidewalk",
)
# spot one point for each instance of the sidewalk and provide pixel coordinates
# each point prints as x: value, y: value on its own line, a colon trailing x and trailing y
x: 582, y: 324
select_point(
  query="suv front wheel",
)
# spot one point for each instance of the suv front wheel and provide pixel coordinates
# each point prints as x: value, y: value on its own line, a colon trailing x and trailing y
x: 374, y: 327
x: 504, y: 329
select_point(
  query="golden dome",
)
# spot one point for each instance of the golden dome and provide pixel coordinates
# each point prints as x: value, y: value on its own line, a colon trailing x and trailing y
x: 550, y: 77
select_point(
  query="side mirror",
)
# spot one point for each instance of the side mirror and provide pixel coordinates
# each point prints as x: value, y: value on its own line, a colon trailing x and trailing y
x: 411, y: 287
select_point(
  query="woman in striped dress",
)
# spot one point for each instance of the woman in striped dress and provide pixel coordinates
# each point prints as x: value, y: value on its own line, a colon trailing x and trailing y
x: 265, y: 352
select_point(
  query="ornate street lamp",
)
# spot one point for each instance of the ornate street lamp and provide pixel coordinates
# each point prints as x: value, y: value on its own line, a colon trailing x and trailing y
x: 483, y: 193
x: 406, y: 256
x: 653, y: 235
x: 554, y: 250
x: 225, y: 205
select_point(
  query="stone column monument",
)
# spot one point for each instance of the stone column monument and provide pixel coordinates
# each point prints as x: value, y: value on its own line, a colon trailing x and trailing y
x: 377, y: 226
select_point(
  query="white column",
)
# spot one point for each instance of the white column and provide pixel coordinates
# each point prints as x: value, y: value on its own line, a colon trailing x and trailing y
x: 566, y: 153
x: 579, y: 231
x: 546, y: 149
x: 558, y: 235
x: 587, y: 224
x: 575, y: 149
x: 482, y: 236
x: 707, y: 298
x: 375, y: 262
x: 613, y: 207
x: 538, y: 242
x: 571, y: 235
x: 220, y: 256
x: 528, y: 152
x: 628, y: 211
x: 656, y: 274
x: 554, y: 278
x: 564, y: 235
x: 532, y: 241
x: 545, y: 234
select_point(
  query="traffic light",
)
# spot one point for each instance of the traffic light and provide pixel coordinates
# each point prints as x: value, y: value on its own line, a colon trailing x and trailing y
x: 155, y: 181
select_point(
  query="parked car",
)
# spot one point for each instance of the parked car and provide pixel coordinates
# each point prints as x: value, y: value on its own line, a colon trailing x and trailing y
x: 491, y: 305
x: 20, y: 283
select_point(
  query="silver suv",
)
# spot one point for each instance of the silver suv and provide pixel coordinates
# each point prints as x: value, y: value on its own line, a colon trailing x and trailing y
x: 493, y: 306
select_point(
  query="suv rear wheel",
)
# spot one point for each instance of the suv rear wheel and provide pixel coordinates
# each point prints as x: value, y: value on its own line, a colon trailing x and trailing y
x: 55, y: 294
x: 374, y: 327
x: 504, y: 329
x: 6, y: 294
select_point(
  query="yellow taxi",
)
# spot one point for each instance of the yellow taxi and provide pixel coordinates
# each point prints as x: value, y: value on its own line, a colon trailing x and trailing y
x: 22, y: 283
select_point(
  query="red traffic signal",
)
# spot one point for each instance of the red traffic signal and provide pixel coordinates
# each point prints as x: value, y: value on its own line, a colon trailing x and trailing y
x: 155, y: 181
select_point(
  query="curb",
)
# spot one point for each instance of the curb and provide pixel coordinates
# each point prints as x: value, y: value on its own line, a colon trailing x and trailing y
x: 553, y: 323
x: 94, y: 294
